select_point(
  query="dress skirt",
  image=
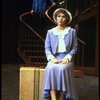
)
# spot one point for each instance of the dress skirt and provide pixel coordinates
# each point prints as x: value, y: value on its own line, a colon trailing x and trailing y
x: 60, y: 77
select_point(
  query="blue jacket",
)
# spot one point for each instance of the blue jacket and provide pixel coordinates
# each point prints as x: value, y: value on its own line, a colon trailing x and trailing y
x: 51, y: 42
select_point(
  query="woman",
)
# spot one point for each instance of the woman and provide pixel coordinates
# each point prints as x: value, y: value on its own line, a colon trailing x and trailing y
x: 60, y: 47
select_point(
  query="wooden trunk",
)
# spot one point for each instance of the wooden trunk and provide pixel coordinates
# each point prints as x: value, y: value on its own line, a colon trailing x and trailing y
x: 31, y: 83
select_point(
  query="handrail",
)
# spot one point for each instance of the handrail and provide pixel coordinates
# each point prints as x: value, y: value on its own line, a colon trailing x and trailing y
x: 24, y: 14
x: 26, y: 57
x: 81, y: 41
x: 46, y: 12
x: 21, y: 19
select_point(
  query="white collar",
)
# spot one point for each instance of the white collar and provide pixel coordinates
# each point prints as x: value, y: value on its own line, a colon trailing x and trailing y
x: 55, y: 32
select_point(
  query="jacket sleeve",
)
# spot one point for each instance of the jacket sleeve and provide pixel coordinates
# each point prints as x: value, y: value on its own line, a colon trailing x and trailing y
x: 73, y: 50
x: 48, y: 51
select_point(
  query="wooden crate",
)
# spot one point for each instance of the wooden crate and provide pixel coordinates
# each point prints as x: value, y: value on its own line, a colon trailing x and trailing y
x: 31, y: 83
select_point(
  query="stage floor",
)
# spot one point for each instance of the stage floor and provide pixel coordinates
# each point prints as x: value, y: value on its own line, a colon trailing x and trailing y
x: 88, y: 86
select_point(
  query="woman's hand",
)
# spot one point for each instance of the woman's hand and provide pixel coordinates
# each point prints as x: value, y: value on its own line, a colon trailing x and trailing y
x: 64, y: 61
x: 54, y: 60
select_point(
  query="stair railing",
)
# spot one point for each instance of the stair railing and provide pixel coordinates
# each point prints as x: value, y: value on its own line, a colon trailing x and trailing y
x: 31, y: 50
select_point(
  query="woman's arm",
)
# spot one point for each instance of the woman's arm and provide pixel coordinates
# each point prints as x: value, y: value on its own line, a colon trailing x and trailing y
x: 48, y: 51
x: 74, y: 45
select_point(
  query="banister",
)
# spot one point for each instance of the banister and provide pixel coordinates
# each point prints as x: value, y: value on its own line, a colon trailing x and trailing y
x: 46, y: 12
x: 21, y: 19
x: 81, y: 41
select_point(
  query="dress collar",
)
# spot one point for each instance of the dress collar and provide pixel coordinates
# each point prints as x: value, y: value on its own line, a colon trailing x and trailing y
x: 55, y: 32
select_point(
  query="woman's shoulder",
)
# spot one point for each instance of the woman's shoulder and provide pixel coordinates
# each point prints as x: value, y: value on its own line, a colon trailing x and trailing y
x: 52, y: 29
x: 71, y: 28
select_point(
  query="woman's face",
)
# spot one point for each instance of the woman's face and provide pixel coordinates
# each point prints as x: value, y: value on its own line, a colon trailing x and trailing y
x: 61, y: 19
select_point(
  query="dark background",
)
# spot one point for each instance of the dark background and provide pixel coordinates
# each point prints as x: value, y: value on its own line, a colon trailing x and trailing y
x: 10, y: 11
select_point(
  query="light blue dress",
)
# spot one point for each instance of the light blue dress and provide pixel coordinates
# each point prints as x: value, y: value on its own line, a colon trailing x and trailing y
x: 60, y: 77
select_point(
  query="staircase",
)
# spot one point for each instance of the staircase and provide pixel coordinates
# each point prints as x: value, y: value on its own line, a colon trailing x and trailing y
x: 32, y: 32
